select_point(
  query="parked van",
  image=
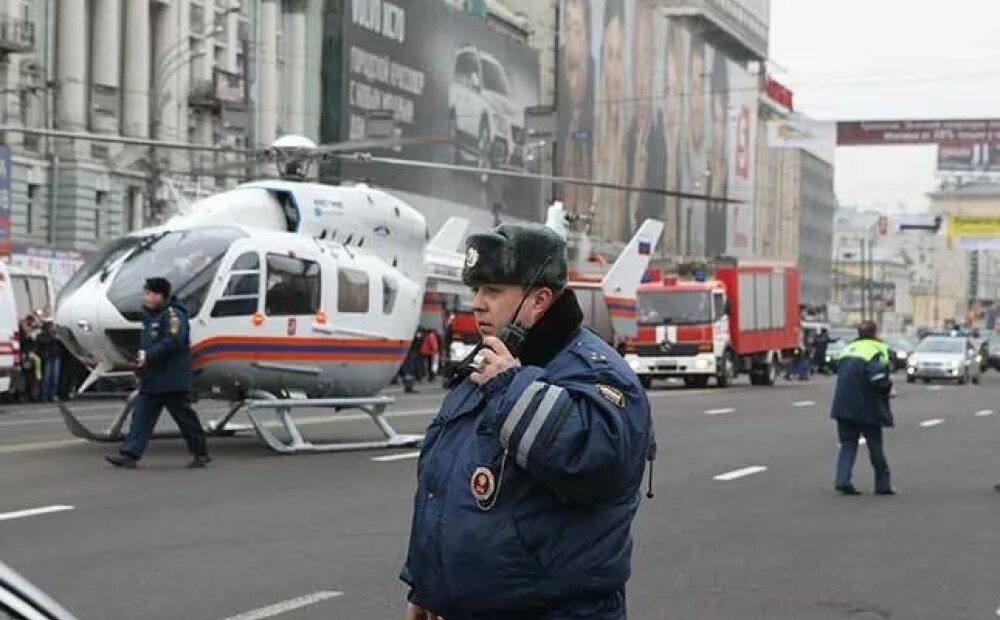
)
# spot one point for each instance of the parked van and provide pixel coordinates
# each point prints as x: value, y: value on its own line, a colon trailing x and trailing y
x: 22, y: 292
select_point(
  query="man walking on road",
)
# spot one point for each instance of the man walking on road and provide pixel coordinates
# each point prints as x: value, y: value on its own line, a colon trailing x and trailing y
x: 164, y: 379
x: 861, y: 407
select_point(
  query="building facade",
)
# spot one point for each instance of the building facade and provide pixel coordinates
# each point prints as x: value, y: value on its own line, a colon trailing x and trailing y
x: 974, y: 198
x: 220, y: 73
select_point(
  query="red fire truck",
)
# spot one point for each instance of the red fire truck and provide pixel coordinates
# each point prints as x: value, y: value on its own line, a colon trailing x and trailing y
x: 730, y: 318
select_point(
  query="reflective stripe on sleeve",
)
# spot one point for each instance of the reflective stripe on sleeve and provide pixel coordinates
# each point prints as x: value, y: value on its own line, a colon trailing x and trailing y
x: 537, y: 421
x: 515, y: 415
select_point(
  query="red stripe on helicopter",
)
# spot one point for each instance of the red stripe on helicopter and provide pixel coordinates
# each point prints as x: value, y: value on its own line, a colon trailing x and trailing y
x: 621, y: 307
x: 236, y: 348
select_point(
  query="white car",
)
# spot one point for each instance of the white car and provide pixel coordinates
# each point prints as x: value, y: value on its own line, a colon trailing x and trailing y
x: 949, y: 358
x: 482, y: 117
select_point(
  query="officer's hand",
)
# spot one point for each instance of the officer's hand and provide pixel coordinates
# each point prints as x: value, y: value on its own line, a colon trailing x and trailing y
x: 496, y: 359
x: 415, y: 612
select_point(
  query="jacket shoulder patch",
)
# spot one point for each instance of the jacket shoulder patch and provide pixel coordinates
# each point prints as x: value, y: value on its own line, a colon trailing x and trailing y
x: 612, y: 394
x: 175, y: 322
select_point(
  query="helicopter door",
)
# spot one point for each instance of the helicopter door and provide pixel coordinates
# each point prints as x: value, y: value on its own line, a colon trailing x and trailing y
x: 293, y: 293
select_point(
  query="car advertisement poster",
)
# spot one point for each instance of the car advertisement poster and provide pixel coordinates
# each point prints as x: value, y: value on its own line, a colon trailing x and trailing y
x: 449, y: 76
x: 645, y: 102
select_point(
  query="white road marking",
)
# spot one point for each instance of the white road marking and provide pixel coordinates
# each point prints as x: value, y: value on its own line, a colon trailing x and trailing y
x: 40, y: 445
x: 935, y: 388
x: 402, y: 456
x: 804, y: 403
x: 982, y: 413
x: 722, y: 411
x: 33, y: 512
x: 932, y: 422
x: 286, y: 606
x: 740, y: 473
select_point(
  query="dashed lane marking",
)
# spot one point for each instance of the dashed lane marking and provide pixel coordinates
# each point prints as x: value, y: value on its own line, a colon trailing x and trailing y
x: 982, y: 413
x: 740, y: 473
x: 286, y: 606
x: 402, y: 456
x: 33, y: 512
x: 804, y: 403
x: 932, y: 422
x: 721, y: 411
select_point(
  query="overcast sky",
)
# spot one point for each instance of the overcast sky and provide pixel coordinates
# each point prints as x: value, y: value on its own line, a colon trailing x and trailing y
x: 888, y: 59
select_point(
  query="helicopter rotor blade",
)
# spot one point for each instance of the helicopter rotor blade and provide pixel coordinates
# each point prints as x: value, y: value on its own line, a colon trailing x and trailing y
x: 395, y: 161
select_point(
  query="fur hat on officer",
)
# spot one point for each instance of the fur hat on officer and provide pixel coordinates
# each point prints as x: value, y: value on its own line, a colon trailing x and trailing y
x: 158, y: 285
x: 518, y: 254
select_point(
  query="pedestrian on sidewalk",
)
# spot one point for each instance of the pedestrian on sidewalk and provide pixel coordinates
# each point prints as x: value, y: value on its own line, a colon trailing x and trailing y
x: 861, y: 407
x: 430, y: 349
x: 51, y: 355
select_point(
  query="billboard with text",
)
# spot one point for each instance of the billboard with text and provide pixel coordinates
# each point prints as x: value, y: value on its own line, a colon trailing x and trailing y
x: 861, y: 133
x: 445, y: 74
x: 969, y: 157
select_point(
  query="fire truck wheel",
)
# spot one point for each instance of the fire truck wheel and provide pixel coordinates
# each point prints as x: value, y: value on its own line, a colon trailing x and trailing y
x: 727, y: 371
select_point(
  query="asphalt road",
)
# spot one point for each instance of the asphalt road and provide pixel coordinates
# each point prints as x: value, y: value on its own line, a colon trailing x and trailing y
x: 744, y: 525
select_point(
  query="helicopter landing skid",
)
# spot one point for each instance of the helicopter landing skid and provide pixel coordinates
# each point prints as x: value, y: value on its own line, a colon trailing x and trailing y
x: 374, y: 406
x: 114, y: 432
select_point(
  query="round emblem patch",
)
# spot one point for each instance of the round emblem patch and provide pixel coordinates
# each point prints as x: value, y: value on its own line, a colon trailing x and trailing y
x: 483, y: 484
x: 471, y: 257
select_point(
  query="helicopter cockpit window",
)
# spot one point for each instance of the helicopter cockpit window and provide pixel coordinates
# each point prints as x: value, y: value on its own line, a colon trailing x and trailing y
x: 352, y: 291
x: 293, y: 286
x: 389, y: 291
x: 188, y: 259
x: 242, y: 293
x: 102, y: 259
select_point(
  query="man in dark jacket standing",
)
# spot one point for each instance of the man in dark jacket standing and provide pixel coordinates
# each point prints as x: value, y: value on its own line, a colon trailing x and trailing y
x: 529, y: 476
x: 164, y: 379
x: 861, y: 407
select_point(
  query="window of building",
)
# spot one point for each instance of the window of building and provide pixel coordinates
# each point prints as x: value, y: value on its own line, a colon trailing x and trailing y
x: 390, y: 290
x: 29, y: 209
x: 100, y: 214
x: 293, y: 286
x: 352, y: 291
x: 133, y: 208
x: 197, y: 19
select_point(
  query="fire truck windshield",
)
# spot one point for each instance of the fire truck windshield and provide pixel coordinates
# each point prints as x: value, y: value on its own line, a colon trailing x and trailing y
x: 675, y: 308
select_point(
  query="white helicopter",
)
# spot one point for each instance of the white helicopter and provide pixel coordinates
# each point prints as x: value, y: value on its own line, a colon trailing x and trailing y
x: 300, y: 294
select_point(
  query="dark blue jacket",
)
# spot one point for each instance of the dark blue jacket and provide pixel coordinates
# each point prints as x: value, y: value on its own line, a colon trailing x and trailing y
x: 566, y: 441
x: 166, y: 340
x: 863, y: 384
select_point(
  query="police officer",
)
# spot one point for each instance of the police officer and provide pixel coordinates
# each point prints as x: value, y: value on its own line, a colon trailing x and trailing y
x: 529, y: 476
x: 861, y: 407
x: 164, y: 379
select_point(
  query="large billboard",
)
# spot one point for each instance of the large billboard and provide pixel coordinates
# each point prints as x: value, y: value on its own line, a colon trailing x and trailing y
x: 645, y: 102
x: 861, y: 133
x: 969, y: 157
x: 447, y: 75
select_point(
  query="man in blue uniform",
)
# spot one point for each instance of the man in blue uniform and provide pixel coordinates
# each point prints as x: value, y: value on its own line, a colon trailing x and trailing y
x: 164, y: 379
x: 529, y: 476
x: 861, y: 407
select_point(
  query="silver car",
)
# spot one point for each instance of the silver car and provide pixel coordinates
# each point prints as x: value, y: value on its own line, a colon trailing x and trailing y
x: 948, y: 358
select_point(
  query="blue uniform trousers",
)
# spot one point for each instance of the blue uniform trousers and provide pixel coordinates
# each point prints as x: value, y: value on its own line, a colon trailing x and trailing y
x: 147, y: 411
x: 850, y: 433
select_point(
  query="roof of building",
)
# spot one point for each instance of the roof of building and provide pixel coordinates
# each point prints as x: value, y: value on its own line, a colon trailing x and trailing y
x: 982, y: 187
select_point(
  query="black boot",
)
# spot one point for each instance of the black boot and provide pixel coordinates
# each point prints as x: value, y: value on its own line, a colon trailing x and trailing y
x: 121, y: 460
x: 848, y: 489
x: 199, y: 461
